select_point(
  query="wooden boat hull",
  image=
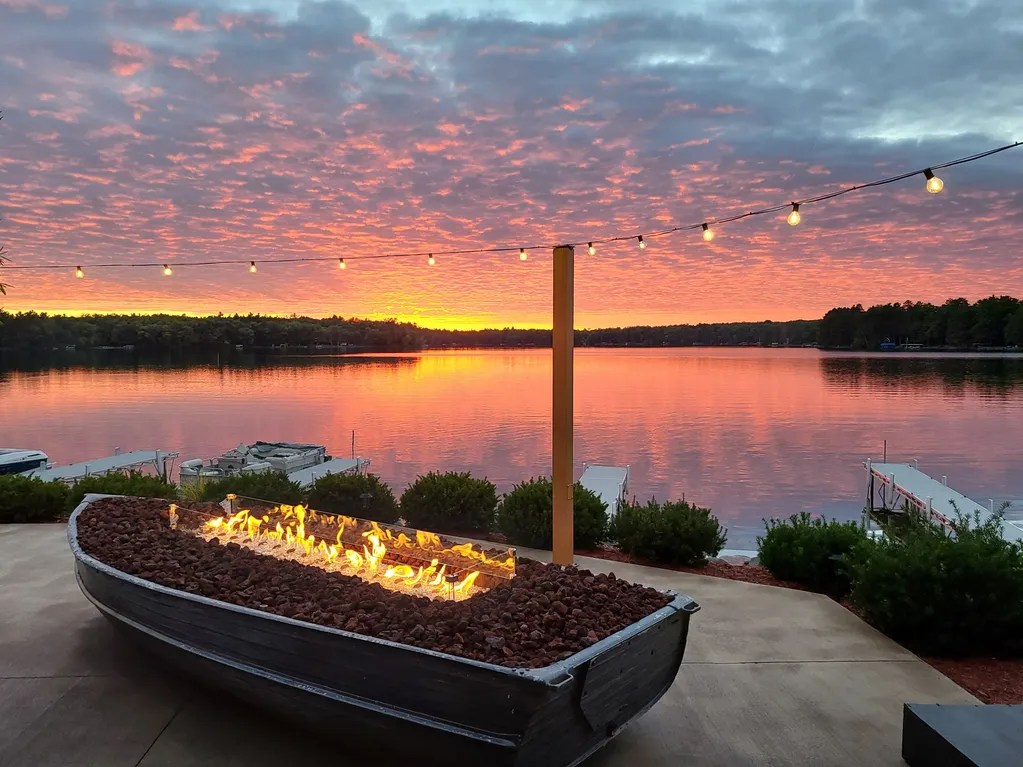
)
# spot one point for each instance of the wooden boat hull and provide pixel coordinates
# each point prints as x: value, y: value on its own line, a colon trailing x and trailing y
x: 427, y: 707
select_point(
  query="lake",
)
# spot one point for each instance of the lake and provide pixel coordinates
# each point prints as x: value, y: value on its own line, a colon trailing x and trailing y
x: 751, y: 433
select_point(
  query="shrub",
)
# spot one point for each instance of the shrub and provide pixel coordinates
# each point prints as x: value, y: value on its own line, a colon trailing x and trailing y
x: 801, y: 549
x: 672, y: 532
x: 343, y: 494
x: 268, y: 486
x: 29, y: 499
x: 453, y: 501
x: 526, y: 513
x: 133, y: 483
x: 941, y: 593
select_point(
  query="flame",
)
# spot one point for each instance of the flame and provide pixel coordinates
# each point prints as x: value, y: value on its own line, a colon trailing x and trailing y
x: 368, y: 562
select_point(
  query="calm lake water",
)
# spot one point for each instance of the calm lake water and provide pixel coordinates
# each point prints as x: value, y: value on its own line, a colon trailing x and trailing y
x: 751, y: 433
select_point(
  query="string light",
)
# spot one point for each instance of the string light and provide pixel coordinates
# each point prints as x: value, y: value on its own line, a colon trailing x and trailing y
x: 642, y: 245
x: 522, y: 254
x: 794, y: 218
x: 933, y: 185
x: 167, y: 270
x: 341, y: 264
x: 252, y: 267
x: 78, y: 272
x: 431, y: 260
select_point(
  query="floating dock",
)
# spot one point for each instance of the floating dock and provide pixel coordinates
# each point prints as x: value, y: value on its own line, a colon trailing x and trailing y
x: 609, y: 483
x: 305, y: 477
x: 890, y: 485
x: 117, y: 462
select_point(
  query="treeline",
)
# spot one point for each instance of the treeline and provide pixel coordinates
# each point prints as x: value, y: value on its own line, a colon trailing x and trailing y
x: 990, y: 322
x: 956, y: 324
x: 32, y: 330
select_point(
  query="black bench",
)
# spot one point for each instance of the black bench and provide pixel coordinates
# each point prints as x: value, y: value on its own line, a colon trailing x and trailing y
x: 962, y: 736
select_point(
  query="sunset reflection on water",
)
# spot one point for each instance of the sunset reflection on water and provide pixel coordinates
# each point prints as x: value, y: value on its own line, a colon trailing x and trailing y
x: 750, y: 432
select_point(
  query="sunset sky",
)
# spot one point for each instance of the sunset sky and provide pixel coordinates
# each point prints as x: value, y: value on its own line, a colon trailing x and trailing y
x: 142, y: 130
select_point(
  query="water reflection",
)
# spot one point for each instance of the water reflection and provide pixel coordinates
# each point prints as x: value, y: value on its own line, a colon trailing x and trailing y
x: 750, y: 432
x: 956, y: 374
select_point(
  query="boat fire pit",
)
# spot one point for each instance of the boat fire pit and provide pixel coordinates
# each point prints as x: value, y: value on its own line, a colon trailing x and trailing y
x: 379, y: 634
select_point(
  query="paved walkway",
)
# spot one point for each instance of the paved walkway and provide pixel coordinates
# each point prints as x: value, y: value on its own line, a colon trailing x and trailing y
x: 771, y: 677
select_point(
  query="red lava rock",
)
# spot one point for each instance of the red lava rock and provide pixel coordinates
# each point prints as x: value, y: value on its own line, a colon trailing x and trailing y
x: 544, y: 614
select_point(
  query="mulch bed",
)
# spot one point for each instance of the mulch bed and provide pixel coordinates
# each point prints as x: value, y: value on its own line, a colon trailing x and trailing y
x: 992, y: 680
x: 543, y: 615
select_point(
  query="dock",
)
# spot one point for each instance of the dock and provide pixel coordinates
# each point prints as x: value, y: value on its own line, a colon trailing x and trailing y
x: 305, y: 477
x: 137, y: 459
x: 894, y: 484
x: 609, y: 483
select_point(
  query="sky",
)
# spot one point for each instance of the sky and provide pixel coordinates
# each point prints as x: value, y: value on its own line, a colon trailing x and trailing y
x: 137, y: 131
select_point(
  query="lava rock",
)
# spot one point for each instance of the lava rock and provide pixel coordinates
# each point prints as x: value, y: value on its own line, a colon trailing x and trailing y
x: 544, y: 614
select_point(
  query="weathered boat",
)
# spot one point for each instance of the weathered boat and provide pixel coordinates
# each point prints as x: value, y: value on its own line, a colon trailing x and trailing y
x: 421, y: 707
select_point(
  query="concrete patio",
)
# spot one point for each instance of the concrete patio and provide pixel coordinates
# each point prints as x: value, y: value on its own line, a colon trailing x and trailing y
x: 771, y: 677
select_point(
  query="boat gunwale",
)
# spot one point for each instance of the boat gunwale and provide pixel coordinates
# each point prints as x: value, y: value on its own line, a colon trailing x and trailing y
x: 554, y: 675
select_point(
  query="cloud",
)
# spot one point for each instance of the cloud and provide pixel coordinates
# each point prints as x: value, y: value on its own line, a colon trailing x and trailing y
x: 165, y: 131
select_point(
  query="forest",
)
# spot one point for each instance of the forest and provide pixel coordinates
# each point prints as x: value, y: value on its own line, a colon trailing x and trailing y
x: 39, y: 331
x: 956, y: 324
x: 994, y: 322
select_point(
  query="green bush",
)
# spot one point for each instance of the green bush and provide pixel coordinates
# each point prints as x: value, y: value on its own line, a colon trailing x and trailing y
x: 525, y: 515
x: 342, y: 494
x: 133, y: 483
x: 456, y: 502
x: 672, y: 532
x: 801, y: 549
x: 29, y: 499
x: 941, y: 593
x: 268, y: 486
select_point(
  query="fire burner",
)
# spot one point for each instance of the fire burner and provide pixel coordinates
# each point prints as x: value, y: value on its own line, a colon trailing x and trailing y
x: 411, y: 561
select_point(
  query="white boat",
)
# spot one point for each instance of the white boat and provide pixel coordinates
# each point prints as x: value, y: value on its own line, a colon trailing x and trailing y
x: 17, y: 460
x: 257, y: 458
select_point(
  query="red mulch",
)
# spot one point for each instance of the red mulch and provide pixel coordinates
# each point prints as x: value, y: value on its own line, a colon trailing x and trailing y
x: 992, y: 680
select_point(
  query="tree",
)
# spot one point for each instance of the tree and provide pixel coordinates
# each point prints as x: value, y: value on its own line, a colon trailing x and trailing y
x: 842, y: 327
x: 1014, y: 328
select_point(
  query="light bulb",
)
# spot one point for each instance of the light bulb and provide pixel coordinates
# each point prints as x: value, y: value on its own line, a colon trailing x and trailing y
x: 522, y: 254
x: 431, y: 261
x: 934, y: 184
x: 341, y: 264
x: 794, y: 217
x: 592, y: 250
x: 642, y: 245
x: 78, y: 272
x: 708, y: 233
x: 252, y: 266
x: 167, y: 270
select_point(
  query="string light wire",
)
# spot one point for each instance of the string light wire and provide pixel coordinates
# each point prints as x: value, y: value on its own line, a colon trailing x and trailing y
x: 792, y: 206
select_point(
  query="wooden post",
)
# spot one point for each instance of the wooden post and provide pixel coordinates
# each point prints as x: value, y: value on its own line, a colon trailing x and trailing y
x: 562, y: 409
